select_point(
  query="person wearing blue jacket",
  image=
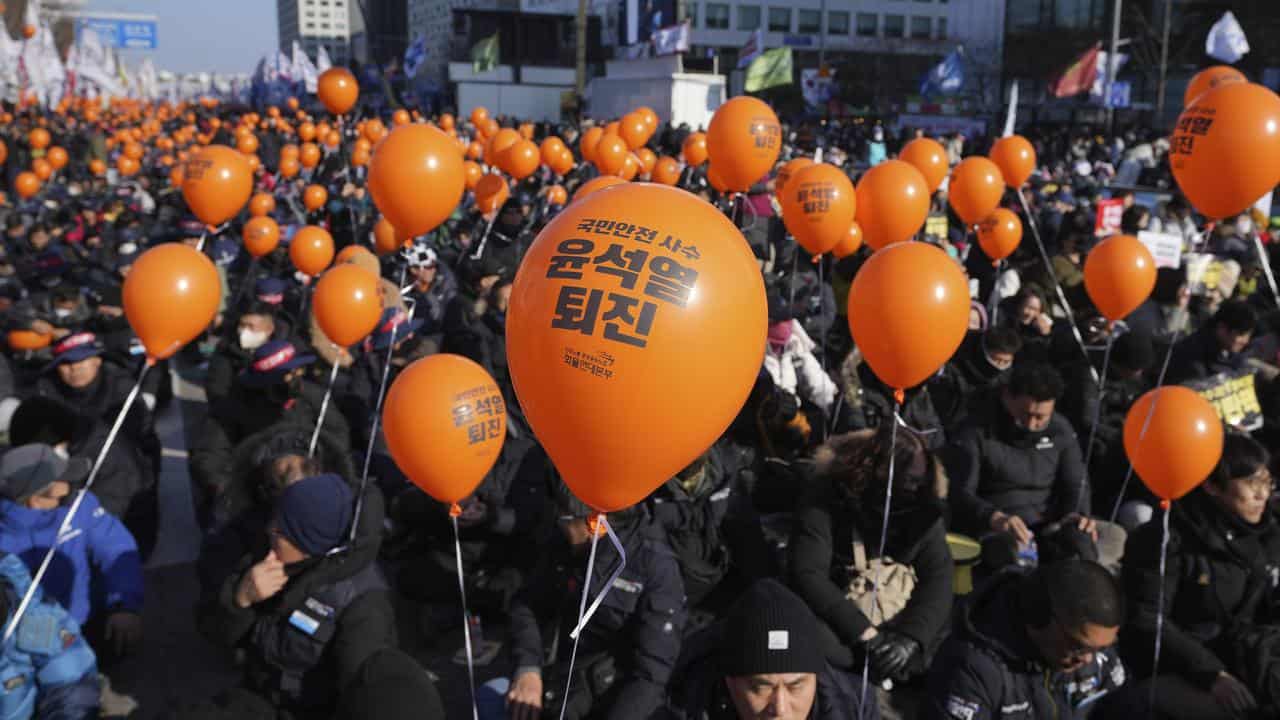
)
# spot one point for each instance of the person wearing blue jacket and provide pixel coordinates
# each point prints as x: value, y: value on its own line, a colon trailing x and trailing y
x: 35, y: 480
x: 47, y: 669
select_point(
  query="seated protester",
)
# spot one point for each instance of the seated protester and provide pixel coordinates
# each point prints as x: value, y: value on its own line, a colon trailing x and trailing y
x: 834, y: 546
x: 1018, y: 472
x: 112, y: 328
x: 1164, y: 314
x: 307, y: 617
x: 255, y: 327
x: 765, y: 660
x: 713, y: 528
x: 275, y: 294
x: 878, y: 406
x: 66, y: 308
x: 783, y: 435
x: 433, y: 288
x: 789, y: 358
x: 627, y: 651
x: 360, y: 400
x: 1027, y: 642
x: 49, y: 670
x: 271, y: 392
x: 391, y: 298
x: 978, y: 368
x: 1220, y: 346
x: 390, y: 685
x: 1219, y: 594
x: 1028, y: 313
x: 125, y: 485
x: 97, y: 573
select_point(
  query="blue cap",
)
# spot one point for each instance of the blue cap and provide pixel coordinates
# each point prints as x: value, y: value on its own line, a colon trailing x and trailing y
x: 272, y: 361
x: 75, y: 347
x: 393, y: 319
x: 270, y: 290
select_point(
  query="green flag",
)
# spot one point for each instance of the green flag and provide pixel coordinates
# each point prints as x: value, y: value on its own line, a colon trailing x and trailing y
x: 484, y: 54
x: 770, y: 69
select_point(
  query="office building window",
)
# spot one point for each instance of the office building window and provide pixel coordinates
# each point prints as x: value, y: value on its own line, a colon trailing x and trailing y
x: 924, y: 1
x: 779, y: 20
x: 691, y: 12
x: 941, y: 25
x: 868, y: 24
x: 748, y: 17
x: 921, y: 28
x: 837, y: 22
x: 717, y: 16
x: 810, y: 22
x: 895, y: 26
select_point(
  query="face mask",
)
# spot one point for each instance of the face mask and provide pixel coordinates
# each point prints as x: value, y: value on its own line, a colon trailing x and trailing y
x: 62, y: 313
x: 60, y: 451
x: 252, y: 339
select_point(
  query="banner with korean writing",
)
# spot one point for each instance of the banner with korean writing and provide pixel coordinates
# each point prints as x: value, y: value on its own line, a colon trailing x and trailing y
x: 1166, y: 248
x: 1234, y: 396
x: 1107, y: 220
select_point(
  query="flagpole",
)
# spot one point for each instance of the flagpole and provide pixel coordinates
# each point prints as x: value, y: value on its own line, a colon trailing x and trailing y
x: 1111, y: 64
x: 1164, y: 64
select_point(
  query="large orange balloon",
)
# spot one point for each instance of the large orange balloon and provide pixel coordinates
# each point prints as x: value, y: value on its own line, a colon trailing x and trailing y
x: 849, y: 244
x: 1182, y: 442
x: 289, y: 167
x: 716, y: 180
x: 491, y: 192
x: 445, y: 421
x: 39, y: 138
x: 563, y: 163
x: 694, y: 149
x: 634, y: 130
x: 347, y: 304
x: 893, y: 203
x: 170, y: 297
x: 261, y: 236
x: 28, y: 340
x: 999, y: 234
x: 311, y: 250
x: 26, y: 184
x: 666, y: 171
x: 473, y: 174
x: 610, y: 155
x: 587, y: 143
x: 908, y: 312
x: 679, y: 347
x: 216, y: 183
x: 647, y: 160
x: 1225, y: 149
x: 262, y: 204
x: 598, y: 183
x: 338, y: 90
x: 1209, y: 79
x: 818, y: 207
x: 743, y: 141
x: 522, y: 159
x: 413, y: 158
x: 385, y: 241
x: 44, y: 169
x: 498, y: 144
x: 479, y: 114
x: 650, y: 117
x: 975, y: 189
x: 787, y: 172
x: 57, y: 157
x: 1015, y: 157
x: 314, y: 197
x: 346, y: 254
x: 550, y: 150
x: 1119, y: 275
x: 929, y: 157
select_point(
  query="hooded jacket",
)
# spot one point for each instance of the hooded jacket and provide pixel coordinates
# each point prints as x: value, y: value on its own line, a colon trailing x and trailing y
x: 798, y: 371
x: 1199, y: 356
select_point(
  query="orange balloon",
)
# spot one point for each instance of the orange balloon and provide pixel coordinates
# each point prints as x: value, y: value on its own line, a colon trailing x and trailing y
x: 44, y: 170
x: 400, y: 117
x: 563, y: 163
x: 787, y: 172
x: 347, y: 304
x: 1119, y: 275
x: 634, y: 130
x: 491, y: 192
x: 716, y: 179
x: 176, y: 177
x: 1209, y: 79
x: 289, y: 167
x: 550, y: 150
x: 374, y: 131
x: 4, y: 152
x: 491, y: 127
x: 929, y: 157
x: 598, y: 183
x: 311, y: 250
x: 307, y: 132
x: 362, y: 143
x: 522, y: 159
x: 1016, y: 158
x: 999, y: 234
x: 332, y: 139
x: 611, y: 155
x: 247, y: 144
x: 410, y: 159
x: 385, y: 241
x: 170, y: 297
x: 498, y: 144
x: 125, y: 164
x: 479, y: 114
x: 908, y: 312
x: 446, y: 122
x: 630, y: 167
x: 581, y: 343
x: 1173, y: 437
x: 1225, y: 150
x: 743, y: 141
x: 309, y: 155
x: 97, y: 167
x: 818, y: 207
x: 666, y: 171
x: 475, y: 150
x: 134, y: 151
x: 473, y: 174
x: 28, y: 31
x: 28, y: 340
x: 346, y: 254
x: 445, y: 421
x: 360, y: 157
x: 338, y: 90
x: 849, y: 244
x: 526, y: 131
x: 975, y: 189
x: 314, y: 197
x: 262, y: 204
x: 557, y: 196
x: 893, y: 202
x: 647, y: 160
x: 650, y: 117
x: 694, y: 149
x: 587, y: 144
x: 39, y: 138
x: 216, y: 184
x: 261, y: 235
x: 57, y: 157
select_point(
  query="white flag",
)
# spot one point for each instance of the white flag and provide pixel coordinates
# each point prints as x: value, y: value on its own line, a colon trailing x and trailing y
x: 671, y: 40
x: 1012, y: 117
x: 1226, y: 40
x: 147, y: 83
x: 284, y: 67
x: 302, y: 66
x: 322, y: 59
x: 1100, y: 78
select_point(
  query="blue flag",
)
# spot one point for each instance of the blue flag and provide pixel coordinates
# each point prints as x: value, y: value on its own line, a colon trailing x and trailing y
x: 947, y: 77
x: 414, y: 56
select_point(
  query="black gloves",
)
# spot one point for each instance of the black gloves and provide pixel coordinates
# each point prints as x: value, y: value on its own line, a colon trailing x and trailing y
x: 891, y: 652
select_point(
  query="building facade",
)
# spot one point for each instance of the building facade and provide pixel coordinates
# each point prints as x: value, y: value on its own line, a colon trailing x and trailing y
x: 316, y: 23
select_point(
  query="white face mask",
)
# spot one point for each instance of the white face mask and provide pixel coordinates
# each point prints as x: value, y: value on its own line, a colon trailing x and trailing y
x: 60, y: 450
x: 252, y: 339
x: 62, y: 313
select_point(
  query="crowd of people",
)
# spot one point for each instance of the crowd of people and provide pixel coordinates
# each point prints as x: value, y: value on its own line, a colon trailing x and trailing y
x: 1010, y: 580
